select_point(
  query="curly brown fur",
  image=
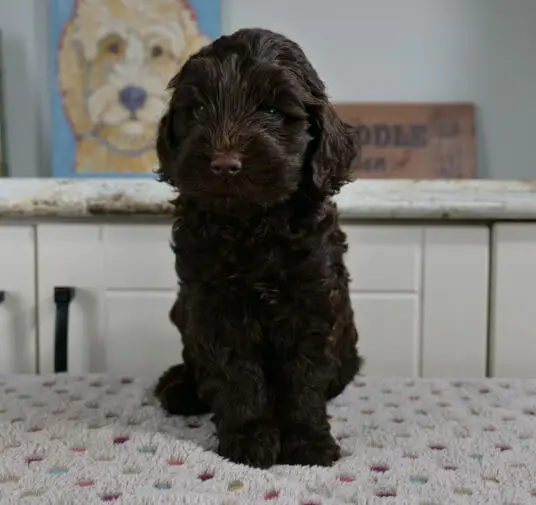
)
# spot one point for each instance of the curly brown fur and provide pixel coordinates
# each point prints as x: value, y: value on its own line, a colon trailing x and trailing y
x: 263, y: 307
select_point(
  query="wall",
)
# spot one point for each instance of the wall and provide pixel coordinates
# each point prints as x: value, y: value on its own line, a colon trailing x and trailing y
x: 22, y: 23
x: 381, y: 50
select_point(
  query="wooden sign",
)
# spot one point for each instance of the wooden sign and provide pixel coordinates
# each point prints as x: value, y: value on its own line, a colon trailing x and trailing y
x: 421, y: 141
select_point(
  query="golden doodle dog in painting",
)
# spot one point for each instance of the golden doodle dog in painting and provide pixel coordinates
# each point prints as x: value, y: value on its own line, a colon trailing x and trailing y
x: 115, y: 60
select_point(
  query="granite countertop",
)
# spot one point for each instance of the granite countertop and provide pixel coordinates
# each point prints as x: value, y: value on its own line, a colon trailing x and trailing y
x: 364, y: 199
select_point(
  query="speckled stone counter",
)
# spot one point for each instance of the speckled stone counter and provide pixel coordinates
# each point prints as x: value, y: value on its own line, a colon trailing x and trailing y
x: 365, y: 199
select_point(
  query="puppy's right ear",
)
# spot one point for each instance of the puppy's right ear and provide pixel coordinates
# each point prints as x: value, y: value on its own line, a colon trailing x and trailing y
x: 167, y: 141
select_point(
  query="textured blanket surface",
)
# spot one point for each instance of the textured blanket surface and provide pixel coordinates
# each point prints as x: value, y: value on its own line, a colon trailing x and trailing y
x: 96, y: 439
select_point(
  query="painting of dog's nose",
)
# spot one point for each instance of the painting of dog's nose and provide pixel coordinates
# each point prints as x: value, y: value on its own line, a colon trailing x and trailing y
x: 225, y: 164
x: 132, y: 97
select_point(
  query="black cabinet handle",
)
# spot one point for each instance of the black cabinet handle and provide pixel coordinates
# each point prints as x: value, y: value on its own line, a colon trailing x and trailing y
x: 2, y: 296
x: 62, y: 298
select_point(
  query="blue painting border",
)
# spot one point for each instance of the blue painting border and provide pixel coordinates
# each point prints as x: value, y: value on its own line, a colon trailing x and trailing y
x: 63, y: 144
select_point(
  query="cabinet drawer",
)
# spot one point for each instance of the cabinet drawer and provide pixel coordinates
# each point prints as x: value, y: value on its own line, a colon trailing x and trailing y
x: 139, y: 338
x: 389, y: 327
x: 138, y: 257
x: 384, y: 258
x: 379, y: 258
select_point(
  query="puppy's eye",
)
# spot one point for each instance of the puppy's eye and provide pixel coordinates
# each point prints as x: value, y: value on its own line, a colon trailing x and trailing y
x: 157, y: 51
x: 194, y: 110
x: 270, y: 110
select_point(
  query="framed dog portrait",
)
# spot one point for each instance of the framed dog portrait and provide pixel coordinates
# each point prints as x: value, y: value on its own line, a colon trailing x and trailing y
x: 111, y: 63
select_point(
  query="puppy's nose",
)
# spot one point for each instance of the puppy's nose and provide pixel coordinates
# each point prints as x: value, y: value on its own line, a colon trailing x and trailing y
x: 225, y: 164
x: 132, y: 97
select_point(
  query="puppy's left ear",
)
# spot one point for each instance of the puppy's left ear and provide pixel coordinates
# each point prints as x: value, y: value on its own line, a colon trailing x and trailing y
x: 337, y: 144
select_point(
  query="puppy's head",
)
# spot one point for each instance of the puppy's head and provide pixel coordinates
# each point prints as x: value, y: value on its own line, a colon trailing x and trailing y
x: 249, y: 121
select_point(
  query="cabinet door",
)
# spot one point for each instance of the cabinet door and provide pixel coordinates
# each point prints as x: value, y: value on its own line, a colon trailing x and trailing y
x: 17, y: 309
x: 513, y: 302
x: 455, y: 301
x: 124, y: 287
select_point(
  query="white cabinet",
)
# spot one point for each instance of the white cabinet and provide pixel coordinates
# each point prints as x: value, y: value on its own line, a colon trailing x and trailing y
x: 17, y: 305
x: 513, y: 302
x: 419, y: 295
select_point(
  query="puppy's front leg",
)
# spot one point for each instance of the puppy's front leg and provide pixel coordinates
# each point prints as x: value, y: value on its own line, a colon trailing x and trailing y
x: 236, y: 390
x: 301, y: 410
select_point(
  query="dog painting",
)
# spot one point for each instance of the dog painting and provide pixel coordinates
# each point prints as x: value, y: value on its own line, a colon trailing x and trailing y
x: 112, y: 61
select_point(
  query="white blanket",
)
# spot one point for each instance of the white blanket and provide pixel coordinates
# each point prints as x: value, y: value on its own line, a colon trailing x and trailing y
x: 96, y: 439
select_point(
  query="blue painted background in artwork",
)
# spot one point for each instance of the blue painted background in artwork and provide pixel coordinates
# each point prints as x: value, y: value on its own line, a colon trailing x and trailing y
x: 63, y: 147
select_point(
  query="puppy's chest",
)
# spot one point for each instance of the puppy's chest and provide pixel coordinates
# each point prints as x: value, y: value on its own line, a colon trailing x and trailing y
x: 260, y: 266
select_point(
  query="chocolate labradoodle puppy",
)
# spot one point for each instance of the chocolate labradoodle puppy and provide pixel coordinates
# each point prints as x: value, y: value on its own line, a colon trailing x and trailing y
x: 256, y: 151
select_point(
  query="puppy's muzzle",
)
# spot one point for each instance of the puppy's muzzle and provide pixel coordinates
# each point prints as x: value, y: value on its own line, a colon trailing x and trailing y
x: 225, y: 165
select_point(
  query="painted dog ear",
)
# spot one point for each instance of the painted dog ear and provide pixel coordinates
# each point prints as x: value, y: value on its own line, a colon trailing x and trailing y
x: 71, y: 74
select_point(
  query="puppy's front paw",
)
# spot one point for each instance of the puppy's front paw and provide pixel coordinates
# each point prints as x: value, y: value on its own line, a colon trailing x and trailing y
x: 309, y: 446
x: 254, y: 444
x: 176, y: 390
